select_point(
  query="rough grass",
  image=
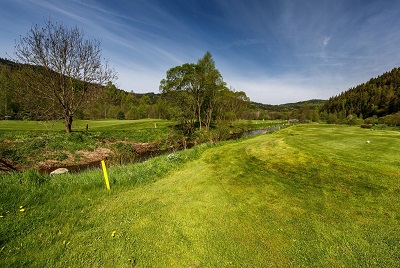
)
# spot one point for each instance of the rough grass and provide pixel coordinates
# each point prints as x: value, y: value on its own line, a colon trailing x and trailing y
x: 306, y: 196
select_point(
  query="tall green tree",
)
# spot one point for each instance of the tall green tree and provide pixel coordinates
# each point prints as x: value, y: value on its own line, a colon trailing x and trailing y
x: 201, y: 83
x: 185, y: 78
x: 212, y: 84
x: 67, y: 66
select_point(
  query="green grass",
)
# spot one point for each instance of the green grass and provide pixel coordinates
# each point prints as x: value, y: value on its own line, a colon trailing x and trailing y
x: 80, y: 125
x: 145, y: 130
x: 305, y: 196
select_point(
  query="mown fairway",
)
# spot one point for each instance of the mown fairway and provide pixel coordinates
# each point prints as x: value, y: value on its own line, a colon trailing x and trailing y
x: 305, y: 196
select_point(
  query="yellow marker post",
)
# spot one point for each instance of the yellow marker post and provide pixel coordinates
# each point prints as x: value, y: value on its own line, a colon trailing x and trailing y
x: 103, y: 164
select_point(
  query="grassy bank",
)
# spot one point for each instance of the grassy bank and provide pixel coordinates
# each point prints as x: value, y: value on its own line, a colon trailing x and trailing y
x: 31, y: 144
x: 306, y: 196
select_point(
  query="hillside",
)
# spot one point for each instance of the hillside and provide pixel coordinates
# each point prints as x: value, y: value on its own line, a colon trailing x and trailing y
x: 288, y: 106
x: 379, y: 96
x: 6, y: 62
x: 104, y: 102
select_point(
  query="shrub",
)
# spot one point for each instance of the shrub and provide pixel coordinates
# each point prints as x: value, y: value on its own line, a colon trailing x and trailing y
x: 372, y: 120
x: 121, y: 115
x: 366, y: 126
x: 123, y: 153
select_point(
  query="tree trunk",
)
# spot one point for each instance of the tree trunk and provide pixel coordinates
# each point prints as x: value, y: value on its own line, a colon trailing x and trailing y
x: 208, y: 120
x: 68, y: 123
x: 198, y: 111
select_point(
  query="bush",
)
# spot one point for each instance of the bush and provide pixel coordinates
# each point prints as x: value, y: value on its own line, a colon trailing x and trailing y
x: 123, y: 153
x: 366, y: 126
x: 223, y: 132
x: 76, y: 137
x: 371, y: 120
x: 13, y: 154
x: 121, y: 115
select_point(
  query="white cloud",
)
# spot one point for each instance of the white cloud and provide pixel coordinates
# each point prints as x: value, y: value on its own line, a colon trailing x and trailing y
x: 325, y: 41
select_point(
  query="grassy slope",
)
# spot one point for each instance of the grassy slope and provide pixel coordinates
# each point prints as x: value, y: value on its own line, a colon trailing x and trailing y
x: 306, y: 196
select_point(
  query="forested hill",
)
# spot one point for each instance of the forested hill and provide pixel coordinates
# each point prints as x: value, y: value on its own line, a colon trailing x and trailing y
x: 288, y: 106
x: 379, y: 96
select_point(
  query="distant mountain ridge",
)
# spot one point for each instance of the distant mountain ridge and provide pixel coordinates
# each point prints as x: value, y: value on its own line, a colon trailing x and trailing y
x: 288, y: 106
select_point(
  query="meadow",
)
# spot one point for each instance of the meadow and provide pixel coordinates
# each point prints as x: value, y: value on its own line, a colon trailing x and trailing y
x: 145, y: 130
x: 305, y: 196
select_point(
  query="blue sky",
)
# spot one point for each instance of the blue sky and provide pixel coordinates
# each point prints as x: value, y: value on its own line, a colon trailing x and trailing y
x: 277, y: 51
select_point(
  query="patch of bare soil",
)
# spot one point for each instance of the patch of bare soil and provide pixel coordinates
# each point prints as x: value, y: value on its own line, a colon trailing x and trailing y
x: 85, y: 157
x: 6, y: 165
x: 141, y: 148
x: 96, y: 155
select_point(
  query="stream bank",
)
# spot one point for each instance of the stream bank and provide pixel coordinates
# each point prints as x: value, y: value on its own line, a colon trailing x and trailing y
x: 142, y: 152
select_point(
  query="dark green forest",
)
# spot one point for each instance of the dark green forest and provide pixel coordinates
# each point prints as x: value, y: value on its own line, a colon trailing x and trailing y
x: 376, y: 101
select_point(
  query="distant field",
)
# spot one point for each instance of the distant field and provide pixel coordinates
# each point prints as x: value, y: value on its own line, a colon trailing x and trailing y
x: 305, y: 196
x: 98, y: 125
x: 80, y: 125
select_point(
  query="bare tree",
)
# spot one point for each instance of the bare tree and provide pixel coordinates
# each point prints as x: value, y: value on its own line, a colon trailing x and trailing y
x: 63, y: 67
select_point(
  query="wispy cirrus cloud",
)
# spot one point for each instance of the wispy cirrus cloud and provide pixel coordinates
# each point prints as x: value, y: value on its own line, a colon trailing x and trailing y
x: 325, y: 41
